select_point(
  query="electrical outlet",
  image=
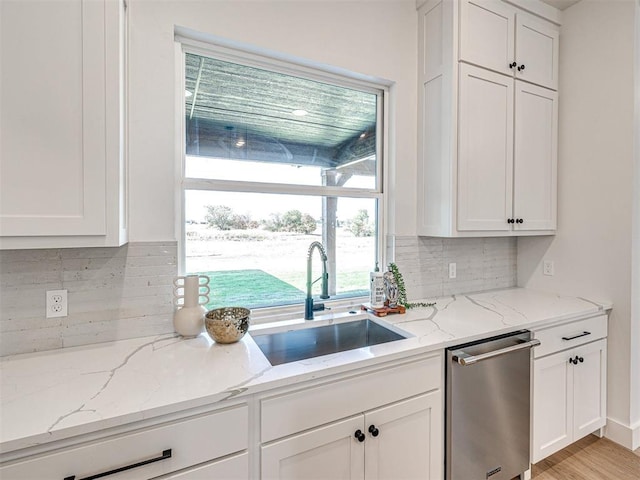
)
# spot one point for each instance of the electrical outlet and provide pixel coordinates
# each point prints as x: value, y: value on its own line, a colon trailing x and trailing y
x: 56, y: 303
x: 548, y: 268
x: 452, y: 270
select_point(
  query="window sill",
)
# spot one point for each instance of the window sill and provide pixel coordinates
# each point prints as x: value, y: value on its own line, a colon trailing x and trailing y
x: 277, y: 314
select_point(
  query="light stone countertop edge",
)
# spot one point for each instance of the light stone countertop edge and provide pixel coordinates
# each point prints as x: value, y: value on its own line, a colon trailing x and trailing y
x: 59, y: 394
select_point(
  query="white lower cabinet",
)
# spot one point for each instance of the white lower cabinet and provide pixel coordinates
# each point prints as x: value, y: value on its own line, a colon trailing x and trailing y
x: 409, y: 444
x: 330, y: 451
x: 569, y: 393
x: 232, y: 468
x: 399, y: 441
x: 385, y: 424
x: 378, y: 423
x: 183, y: 446
x: 589, y: 389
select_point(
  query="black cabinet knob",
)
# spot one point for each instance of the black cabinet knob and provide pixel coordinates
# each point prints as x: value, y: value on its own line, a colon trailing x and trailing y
x: 510, y: 220
x: 373, y: 431
x: 576, y: 360
x: 520, y: 68
x: 359, y: 435
x: 570, y: 361
x: 511, y: 65
x: 519, y: 220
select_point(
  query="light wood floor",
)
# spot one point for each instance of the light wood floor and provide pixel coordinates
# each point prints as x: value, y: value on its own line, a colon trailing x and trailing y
x: 591, y: 458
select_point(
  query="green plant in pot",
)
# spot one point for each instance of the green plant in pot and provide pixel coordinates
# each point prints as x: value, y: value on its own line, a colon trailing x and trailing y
x: 402, y: 291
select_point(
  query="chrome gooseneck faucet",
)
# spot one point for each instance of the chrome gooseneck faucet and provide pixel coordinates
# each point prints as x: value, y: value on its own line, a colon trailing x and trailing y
x: 308, y: 304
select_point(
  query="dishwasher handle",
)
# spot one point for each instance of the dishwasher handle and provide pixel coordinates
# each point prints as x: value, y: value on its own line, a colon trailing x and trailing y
x: 464, y: 359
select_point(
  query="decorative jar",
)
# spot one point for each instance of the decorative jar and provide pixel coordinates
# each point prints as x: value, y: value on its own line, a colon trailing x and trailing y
x: 190, y: 293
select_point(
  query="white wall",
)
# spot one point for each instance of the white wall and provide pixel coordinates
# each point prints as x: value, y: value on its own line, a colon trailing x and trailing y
x: 372, y: 37
x: 593, y: 250
x: 635, y: 258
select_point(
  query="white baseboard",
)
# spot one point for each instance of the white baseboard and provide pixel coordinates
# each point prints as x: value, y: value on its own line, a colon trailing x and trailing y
x: 627, y: 436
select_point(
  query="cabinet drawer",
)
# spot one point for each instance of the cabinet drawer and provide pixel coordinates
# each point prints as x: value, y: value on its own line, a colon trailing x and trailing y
x: 230, y: 468
x: 192, y: 441
x: 293, y: 412
x: 570, y: 335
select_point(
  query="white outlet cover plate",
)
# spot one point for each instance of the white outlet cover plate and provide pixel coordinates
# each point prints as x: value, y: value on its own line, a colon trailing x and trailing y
x: 56, y: 308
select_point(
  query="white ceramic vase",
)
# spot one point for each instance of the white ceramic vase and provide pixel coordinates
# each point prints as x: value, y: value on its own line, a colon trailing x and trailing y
x: 190, y: 294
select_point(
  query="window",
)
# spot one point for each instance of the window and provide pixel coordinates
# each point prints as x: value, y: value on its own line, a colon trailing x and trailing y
x: 276, y: 158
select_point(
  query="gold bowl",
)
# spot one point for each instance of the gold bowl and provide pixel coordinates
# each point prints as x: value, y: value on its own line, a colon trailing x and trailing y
x: 227, y: 324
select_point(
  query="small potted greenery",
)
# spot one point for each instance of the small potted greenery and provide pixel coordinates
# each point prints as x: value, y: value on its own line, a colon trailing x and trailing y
x: 402, y: 291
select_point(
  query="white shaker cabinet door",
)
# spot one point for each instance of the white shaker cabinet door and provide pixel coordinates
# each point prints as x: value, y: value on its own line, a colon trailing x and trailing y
x: 487, y: 33
x: 537, y: 47
x: 535, y: 158
x: 485, y: 150
x: 331, y: 451
x: 569, y: 397
x: 408, y: 440
x: 552, y: 405
x: 53, y: 100
x: 590, y: 388
x: 61, y: 123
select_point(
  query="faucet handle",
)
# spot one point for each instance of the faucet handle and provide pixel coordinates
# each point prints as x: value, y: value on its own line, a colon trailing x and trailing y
x: 325, y: 283
x: 318, y: 307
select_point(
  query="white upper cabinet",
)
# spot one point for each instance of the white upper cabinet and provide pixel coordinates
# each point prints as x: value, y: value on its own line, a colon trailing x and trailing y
x: 62, y: 160
x: 488, y: 120
x: 535, y: 158
x: 500, y: 37
x: 485, y: 151
x: 487, y: 32
x: 537, y: 47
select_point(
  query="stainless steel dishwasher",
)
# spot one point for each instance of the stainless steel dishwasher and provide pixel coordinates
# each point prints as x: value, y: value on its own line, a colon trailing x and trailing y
x: 488, y: 408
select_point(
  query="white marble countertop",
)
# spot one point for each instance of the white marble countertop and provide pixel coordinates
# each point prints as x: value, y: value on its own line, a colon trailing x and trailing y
x: 58, y: 394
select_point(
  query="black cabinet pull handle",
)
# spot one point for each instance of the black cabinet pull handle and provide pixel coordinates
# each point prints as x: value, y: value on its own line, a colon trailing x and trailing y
x: 583, y: 334
x: 519, y: 220
x: 165, y: 454
x: 373, y: 431
x: 511, y: 65
x: 580, y: 359
x: 520, y: 68
x: 571, y: 361
x: 510, y: 220
x: 359, y: 436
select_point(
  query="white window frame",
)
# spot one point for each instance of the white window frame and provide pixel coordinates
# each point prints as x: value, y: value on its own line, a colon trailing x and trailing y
x: 188, y: 41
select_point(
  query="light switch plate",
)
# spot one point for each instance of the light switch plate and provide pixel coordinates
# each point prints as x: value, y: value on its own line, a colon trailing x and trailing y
x: 452, y: 270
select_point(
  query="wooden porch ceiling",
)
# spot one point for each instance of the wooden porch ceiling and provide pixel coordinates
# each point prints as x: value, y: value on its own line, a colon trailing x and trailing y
x: 235, y: 110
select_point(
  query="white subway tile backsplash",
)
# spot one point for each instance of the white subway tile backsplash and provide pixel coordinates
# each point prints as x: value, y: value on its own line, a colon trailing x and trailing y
x: 119, y: 329
x: 114, y: 293
x: 482, y: 264
x: 126, y: 292
x: 36, y: 339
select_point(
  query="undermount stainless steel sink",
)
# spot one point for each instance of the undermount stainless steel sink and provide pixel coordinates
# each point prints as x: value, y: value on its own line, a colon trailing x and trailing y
x: 294, y: 345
